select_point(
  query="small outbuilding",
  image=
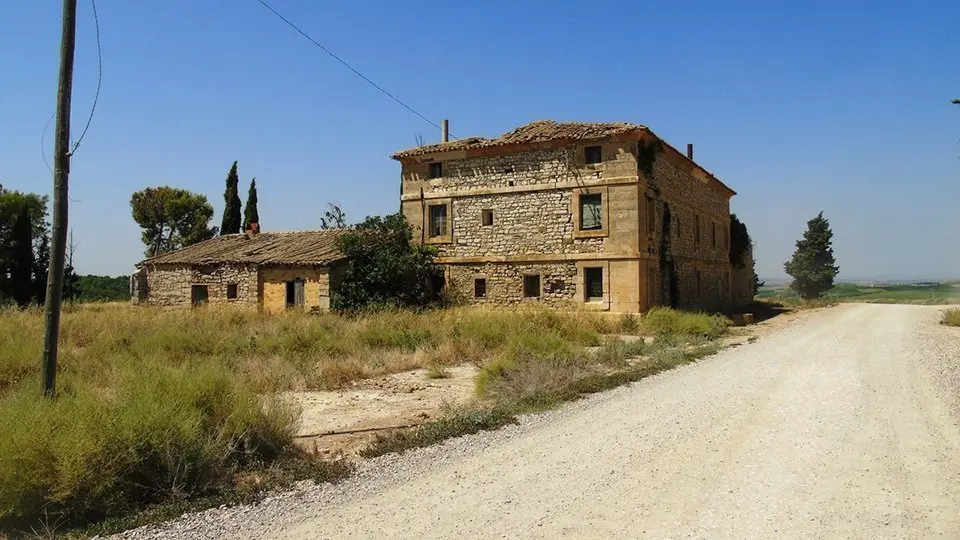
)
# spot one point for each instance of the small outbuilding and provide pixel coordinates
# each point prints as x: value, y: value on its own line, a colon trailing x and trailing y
x: 272, y: 271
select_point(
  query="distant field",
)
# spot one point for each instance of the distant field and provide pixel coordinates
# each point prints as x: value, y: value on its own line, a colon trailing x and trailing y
x: 923, y: 293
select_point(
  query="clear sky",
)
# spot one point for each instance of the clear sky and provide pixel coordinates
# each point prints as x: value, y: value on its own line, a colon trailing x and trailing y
x: 840, y: 106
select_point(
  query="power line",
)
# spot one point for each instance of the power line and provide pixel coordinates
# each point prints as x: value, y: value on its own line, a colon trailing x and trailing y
x: 43, y: 151
x: 96, y: 97
x: 348, y: 66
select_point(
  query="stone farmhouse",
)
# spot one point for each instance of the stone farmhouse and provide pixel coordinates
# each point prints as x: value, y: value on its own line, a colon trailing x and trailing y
x: 272, y: 271
x: 602, y: 215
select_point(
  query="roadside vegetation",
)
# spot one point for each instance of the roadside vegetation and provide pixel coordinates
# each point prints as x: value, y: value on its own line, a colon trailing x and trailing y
x: 167, y: 406
x: 920, y: 293
x: 951, y: 317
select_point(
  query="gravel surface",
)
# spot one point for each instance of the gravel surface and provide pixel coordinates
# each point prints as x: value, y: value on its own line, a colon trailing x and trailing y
x: 841, y: 424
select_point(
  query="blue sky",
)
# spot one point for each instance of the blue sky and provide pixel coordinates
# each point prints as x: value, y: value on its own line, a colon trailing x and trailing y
x: 834, y: 106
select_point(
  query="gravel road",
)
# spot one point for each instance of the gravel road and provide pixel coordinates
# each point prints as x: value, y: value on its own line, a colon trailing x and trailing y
x: 842, y: 424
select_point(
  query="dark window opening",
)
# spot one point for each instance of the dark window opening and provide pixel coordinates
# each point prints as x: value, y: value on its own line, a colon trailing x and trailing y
x: 479, y: 288
x: 199, y: 295
x: 295, y: 295
x: 696, y: 229
x: 713, y: 234
x: 486, y: 218
x: 231, y: 291
x: 531, y: 286
x: 436, y: 170
x: 591, y: 212
x: 592, y: 154
x: 438, y: 220
x: 593, y: 284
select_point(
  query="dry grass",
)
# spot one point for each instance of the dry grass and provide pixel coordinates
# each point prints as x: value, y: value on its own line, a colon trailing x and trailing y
x: 951, y: 317
x: 166, y: 405
x: 281, y: 352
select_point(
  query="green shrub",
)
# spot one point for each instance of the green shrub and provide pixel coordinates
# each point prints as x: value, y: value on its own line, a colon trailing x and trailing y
x: 162, y: 433
x: 672, y: 322
x: 616, y: 351
x: 629, y: 323
x: 951, y: 317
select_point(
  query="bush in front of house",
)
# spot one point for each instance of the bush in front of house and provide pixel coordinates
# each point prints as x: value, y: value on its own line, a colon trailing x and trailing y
x: 385, y: 269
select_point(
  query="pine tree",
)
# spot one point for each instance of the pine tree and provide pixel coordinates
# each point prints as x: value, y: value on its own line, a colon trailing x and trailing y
x: 231, y: 198
x: 250, y: 213
x: 813, y: 266
x: 21, y: 263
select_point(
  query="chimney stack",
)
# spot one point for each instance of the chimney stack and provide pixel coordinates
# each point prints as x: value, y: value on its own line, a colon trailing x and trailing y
x: 690, y: 151
x: 253, y: 229
x: 445, y: 130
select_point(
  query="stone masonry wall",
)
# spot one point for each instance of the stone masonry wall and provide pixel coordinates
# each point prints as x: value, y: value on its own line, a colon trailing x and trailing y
x: 532, y: 195
x: 505, y: 283
x: 688, y: 199
x: 170, y: 285
x: 529, y: 168
x: 523, y: 223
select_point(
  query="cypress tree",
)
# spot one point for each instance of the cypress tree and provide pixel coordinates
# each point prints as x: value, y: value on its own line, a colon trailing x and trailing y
x: 813, y: 266
x: 250, y: 213
x: 40, y: 264
x: 21, y: 263
x: 231, y: 198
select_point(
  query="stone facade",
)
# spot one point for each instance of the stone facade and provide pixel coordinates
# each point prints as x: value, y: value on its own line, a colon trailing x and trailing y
x: 515, y: 210
x: 173, y: 285
x: 254, y: 286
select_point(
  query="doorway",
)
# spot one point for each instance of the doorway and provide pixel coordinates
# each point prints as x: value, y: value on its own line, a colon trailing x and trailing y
x: 295, y: 293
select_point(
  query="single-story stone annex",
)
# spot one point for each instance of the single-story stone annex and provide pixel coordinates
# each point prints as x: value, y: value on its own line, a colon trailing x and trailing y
x: 272, y: 271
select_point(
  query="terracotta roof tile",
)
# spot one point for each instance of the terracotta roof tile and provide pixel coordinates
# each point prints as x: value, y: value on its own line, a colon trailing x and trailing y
x: 291, y: 248
x: 534, y: 132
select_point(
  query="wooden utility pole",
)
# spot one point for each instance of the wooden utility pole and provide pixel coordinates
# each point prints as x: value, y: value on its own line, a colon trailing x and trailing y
x: 61, y: 174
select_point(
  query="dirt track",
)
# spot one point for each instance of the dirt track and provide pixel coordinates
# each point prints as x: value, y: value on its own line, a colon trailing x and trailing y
x: 841, y: 424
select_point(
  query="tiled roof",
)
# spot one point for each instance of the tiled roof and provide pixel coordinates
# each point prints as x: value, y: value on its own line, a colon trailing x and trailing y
x: 534, y: 132
x: 292, y: 248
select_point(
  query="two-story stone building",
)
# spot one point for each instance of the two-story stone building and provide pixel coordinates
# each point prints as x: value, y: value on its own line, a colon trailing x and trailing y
x: 606, y: 215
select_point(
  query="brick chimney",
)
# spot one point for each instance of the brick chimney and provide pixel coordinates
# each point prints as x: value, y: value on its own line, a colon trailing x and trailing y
x: 253, y: 229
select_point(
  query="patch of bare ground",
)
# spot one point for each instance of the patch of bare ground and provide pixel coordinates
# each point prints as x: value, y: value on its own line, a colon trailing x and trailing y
x: 338, y: 424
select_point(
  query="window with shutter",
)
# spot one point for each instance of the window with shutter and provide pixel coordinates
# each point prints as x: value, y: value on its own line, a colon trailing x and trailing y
x: 591, y: 212
x: 438, y: 220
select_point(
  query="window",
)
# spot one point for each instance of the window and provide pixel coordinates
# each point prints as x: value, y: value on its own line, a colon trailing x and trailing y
x: 438, y: 220
x: 591, y: 215
x: 593, y: 284
x: 651, y: 215
x: 480, y: 288
x: 713, y: 234
x: 294, y: 296
x: 198, y: 295
x: 531, y: 286
x: 436, y: 170
x: 486, y: 217
x: 592, y: 154
x: 696, y: 229
x: 231, y: 291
